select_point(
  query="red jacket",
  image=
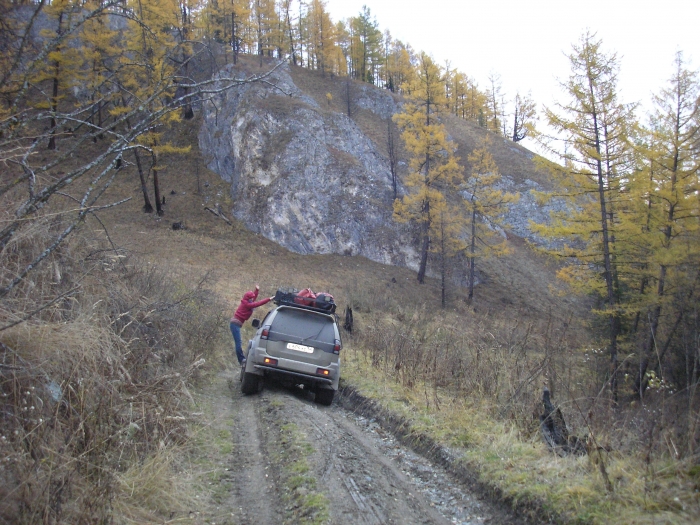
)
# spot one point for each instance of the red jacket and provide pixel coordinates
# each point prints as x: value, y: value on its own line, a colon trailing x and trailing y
x: 248, y: 304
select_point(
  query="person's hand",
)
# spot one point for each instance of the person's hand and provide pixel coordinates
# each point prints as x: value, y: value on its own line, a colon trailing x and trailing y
x: 272, y: 298
x: 257, y: 287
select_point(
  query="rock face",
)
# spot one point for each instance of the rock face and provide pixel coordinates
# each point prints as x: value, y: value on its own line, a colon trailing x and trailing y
x: 309, y: 179
x: 527, y: 209
x: 304, y: 177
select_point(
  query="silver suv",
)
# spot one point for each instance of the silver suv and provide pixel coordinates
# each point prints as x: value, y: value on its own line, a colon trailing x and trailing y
x: 297, y: 343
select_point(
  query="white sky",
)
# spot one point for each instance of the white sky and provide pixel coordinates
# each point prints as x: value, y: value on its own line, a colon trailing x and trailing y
x: 526, y: 41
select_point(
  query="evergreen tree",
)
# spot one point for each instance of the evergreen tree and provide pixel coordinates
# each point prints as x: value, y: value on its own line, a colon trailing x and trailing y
x: 63, y: 67
x: 266, y: 27
x: 323, y: 50
x: 495, y: 107
x: 399, y: 68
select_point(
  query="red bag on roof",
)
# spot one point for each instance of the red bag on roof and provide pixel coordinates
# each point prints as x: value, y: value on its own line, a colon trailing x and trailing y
x: 305, y: 297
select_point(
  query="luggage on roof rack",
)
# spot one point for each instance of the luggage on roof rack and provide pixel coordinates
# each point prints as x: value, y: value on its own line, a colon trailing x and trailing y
x: 306, y: 298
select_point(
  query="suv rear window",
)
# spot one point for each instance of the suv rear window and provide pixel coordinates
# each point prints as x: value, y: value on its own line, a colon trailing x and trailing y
x: 303, y: 327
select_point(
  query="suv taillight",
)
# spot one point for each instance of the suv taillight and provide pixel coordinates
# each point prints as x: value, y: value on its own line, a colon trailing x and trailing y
x: 265, y: 332
x: 336, y: 346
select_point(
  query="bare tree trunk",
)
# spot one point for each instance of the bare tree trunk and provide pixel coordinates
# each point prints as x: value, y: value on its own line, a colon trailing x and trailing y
x: 147, y: 206
x: 234, y: 38
x: 472, y: 258
x: 393, y: 161
x: 607, y: 258
x: 291, y: 36
x: 656, y: 313
x: 348, y: 98
x: 156, y: 182
x: 443, y: 263
x: 425, y: 239
x: 54, y: 91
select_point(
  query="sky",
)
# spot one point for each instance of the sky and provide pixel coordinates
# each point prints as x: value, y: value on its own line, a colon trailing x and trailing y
x: 527, y: 42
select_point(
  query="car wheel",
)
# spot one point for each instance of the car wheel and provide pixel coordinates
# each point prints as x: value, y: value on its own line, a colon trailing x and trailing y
x: 250, y: 384
x: 324, y: 396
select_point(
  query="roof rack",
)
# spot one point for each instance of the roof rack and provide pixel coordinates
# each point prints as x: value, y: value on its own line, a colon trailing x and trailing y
x: 290, y: 297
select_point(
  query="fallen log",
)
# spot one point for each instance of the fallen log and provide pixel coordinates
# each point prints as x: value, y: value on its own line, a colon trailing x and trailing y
x: 218, y: 214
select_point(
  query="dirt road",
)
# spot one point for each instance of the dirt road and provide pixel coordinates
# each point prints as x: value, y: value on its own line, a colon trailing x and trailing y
x: 293, y: 461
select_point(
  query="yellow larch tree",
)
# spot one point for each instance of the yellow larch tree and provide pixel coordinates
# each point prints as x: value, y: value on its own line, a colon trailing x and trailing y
x: 485, y: 205
x: 399, y: 67
x: 322, y: 43
x: 447, y: 239
x: 434, y: 169
x: 62, y: 70
x: 266, y: 26
x: 147, y: 75
x: 667, y: 221
x: 101, y: 52
x: 594, y: 127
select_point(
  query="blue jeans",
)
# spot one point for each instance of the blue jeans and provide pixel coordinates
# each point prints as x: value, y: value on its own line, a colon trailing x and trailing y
x: 236, y: 331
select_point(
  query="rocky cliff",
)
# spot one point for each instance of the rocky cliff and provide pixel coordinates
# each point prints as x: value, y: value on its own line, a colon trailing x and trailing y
x: 303, y: 176
x: 308, y: 177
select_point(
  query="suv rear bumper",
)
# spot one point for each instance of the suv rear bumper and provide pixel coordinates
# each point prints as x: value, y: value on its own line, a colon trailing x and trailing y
x: 304, y: 372
x: 307, y: 377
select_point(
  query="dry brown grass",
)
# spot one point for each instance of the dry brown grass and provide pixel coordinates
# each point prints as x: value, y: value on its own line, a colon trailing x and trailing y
x: 95, y: 385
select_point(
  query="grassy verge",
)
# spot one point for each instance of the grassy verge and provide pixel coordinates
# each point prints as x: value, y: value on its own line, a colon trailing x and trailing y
x: 522, y: 470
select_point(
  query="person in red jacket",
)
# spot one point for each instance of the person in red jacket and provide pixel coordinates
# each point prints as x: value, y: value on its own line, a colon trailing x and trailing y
x: 243, y: 313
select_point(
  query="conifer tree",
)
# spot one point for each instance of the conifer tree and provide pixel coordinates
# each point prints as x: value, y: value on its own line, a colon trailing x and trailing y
x: 323, y: 50
x: 101, y: 51
x: 399, y: 67
x: 63, y: 67
x: 495, y: 107
x: 150, y: 41
x: 290, y: 30
x: 524, y: 115
x: 595, y: 128
x: 266, y: 27
x: 485, y: 205
x: 366, y: 47
x: 666, y: 188
x: 447, y: 239
x: 433, y: 168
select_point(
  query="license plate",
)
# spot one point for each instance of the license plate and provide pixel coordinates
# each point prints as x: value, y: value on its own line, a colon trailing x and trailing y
x: 301, y: 348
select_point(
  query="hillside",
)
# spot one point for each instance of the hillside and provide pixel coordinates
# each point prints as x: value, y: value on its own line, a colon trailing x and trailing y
x: 311, y: 179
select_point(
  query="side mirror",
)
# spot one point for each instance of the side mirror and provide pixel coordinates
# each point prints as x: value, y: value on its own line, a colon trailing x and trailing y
x: 255, y: 323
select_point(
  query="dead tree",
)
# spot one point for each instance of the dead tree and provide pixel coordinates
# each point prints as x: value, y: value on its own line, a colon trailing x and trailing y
x: 348, y: 319
x: 554, y: 430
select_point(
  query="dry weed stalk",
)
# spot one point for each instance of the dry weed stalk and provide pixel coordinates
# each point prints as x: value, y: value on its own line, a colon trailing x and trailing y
x: 94, y: 385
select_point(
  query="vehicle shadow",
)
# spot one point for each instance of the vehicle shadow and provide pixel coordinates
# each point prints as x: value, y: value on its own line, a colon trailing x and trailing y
x: 298, y: 391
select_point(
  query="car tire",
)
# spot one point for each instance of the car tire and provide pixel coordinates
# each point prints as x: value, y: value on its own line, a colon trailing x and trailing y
x: 250, y: 383
x: 324, y: 396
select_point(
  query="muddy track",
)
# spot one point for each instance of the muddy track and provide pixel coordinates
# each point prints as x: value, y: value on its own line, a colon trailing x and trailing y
x: 294, y: 461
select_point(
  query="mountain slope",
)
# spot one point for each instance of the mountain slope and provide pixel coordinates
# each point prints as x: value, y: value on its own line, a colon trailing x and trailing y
x: 313, y: 180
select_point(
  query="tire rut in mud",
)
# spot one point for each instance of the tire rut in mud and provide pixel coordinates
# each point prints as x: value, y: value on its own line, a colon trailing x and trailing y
x: 254, y: 492
x: 298, y: 462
